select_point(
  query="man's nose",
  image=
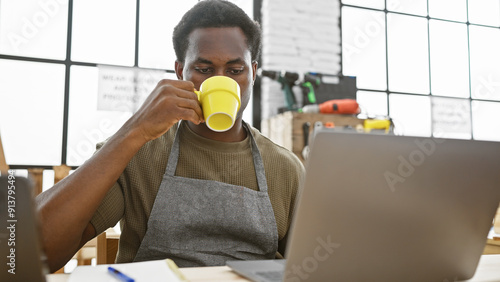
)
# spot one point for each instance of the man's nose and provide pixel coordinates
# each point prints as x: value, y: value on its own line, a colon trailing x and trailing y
x: 219, y: 72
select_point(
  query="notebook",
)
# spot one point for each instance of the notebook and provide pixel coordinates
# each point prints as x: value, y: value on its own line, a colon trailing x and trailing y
x: 21, y: 258
x: 388, y: 208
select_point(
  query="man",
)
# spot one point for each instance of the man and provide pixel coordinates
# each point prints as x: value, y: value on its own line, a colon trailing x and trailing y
x: 179, y: 189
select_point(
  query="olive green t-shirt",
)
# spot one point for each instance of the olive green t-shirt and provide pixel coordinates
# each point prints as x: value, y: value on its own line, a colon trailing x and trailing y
x: 131, y: 199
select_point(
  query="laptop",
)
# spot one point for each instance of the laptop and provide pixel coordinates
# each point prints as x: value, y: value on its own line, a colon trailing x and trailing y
x: 388, y: 208
x: 21, y: 257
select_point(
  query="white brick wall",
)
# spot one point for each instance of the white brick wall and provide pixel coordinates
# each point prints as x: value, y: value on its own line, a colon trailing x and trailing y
x: 299, y: 36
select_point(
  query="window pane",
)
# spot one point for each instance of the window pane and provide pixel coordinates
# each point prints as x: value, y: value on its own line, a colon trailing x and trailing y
x: 451, y: 118
x: 485, y: 121
x: 85, y: 133
x: 415, y: 7
x: 449, y: 59
x: 31, y: 117
x: 485, y: 62
x: 485, y: 12
x: 157, y: 21
x: 34, y: 28
x: 377, y: 4
x: 104, y: 31
x: 363, y: 47
x: 48, y: 179
x: 411, y: 114
x: 372, y: 104
x: 408, y: 54
x: 455, y: 10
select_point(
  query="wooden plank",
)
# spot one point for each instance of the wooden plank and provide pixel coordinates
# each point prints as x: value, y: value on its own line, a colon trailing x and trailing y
x: 111, y: 249
x: 496, y: 226
x: 3, y: 164
x: 60, y: 172
x: 491, y: 247
x: 36, y: 174
x: 107, y: 247
x: 101, y: 249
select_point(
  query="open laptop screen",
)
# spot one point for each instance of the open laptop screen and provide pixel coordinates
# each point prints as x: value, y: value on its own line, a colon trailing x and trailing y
x: 393, y: 208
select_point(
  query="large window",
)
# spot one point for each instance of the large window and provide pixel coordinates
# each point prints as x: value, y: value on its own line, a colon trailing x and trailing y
x: 50, y: 56
x: 431, y: 65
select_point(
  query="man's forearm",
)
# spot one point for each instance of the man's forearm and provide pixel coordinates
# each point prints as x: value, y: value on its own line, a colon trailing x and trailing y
x: 65, y: 210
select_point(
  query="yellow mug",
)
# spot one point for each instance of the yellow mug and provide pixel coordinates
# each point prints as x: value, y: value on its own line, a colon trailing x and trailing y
x: 220, y: 101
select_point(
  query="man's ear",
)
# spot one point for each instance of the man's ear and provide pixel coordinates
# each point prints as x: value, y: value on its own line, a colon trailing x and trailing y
x: 255, y: 64
x: 179, y: 67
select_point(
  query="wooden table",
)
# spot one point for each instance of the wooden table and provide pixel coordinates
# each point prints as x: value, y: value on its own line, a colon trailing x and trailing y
x: 488, y: 270
x: 492, y: 246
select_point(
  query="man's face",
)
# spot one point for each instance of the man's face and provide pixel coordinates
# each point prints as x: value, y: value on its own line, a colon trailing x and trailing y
x: 219, y: 51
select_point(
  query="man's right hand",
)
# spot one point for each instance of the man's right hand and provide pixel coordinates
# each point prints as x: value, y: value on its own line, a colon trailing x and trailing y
x: 170, y: 102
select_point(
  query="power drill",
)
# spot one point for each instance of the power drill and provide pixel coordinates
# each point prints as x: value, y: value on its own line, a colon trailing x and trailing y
x: 287, y: 80
x: 311, y: 81
x: 336, y: 106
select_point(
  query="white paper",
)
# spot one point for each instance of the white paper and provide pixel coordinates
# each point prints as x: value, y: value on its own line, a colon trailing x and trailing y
x: 147, y: 271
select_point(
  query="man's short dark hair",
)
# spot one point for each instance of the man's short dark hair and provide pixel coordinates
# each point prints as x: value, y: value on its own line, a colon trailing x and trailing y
x: 216, y: 13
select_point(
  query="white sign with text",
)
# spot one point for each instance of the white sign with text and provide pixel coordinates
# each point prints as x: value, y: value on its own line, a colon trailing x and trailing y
x: 125, y: 88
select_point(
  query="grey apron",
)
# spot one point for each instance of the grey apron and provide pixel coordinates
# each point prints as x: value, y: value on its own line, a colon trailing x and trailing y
x: 205, y: 223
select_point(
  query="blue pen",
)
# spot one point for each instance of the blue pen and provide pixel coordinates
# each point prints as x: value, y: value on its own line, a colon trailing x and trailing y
x: 120, y: 275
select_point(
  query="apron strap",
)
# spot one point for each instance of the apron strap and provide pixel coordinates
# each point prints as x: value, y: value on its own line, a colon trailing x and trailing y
x: 173, y: 158
x: 258, y: 163
x: 257, y: 158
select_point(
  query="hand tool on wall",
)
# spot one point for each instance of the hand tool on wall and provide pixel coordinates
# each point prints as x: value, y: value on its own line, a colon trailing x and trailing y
x: 287, y: 80
x: 309, y: 84
x: 318, y: 125
x: 336, y: 106
x: 305, y: 150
